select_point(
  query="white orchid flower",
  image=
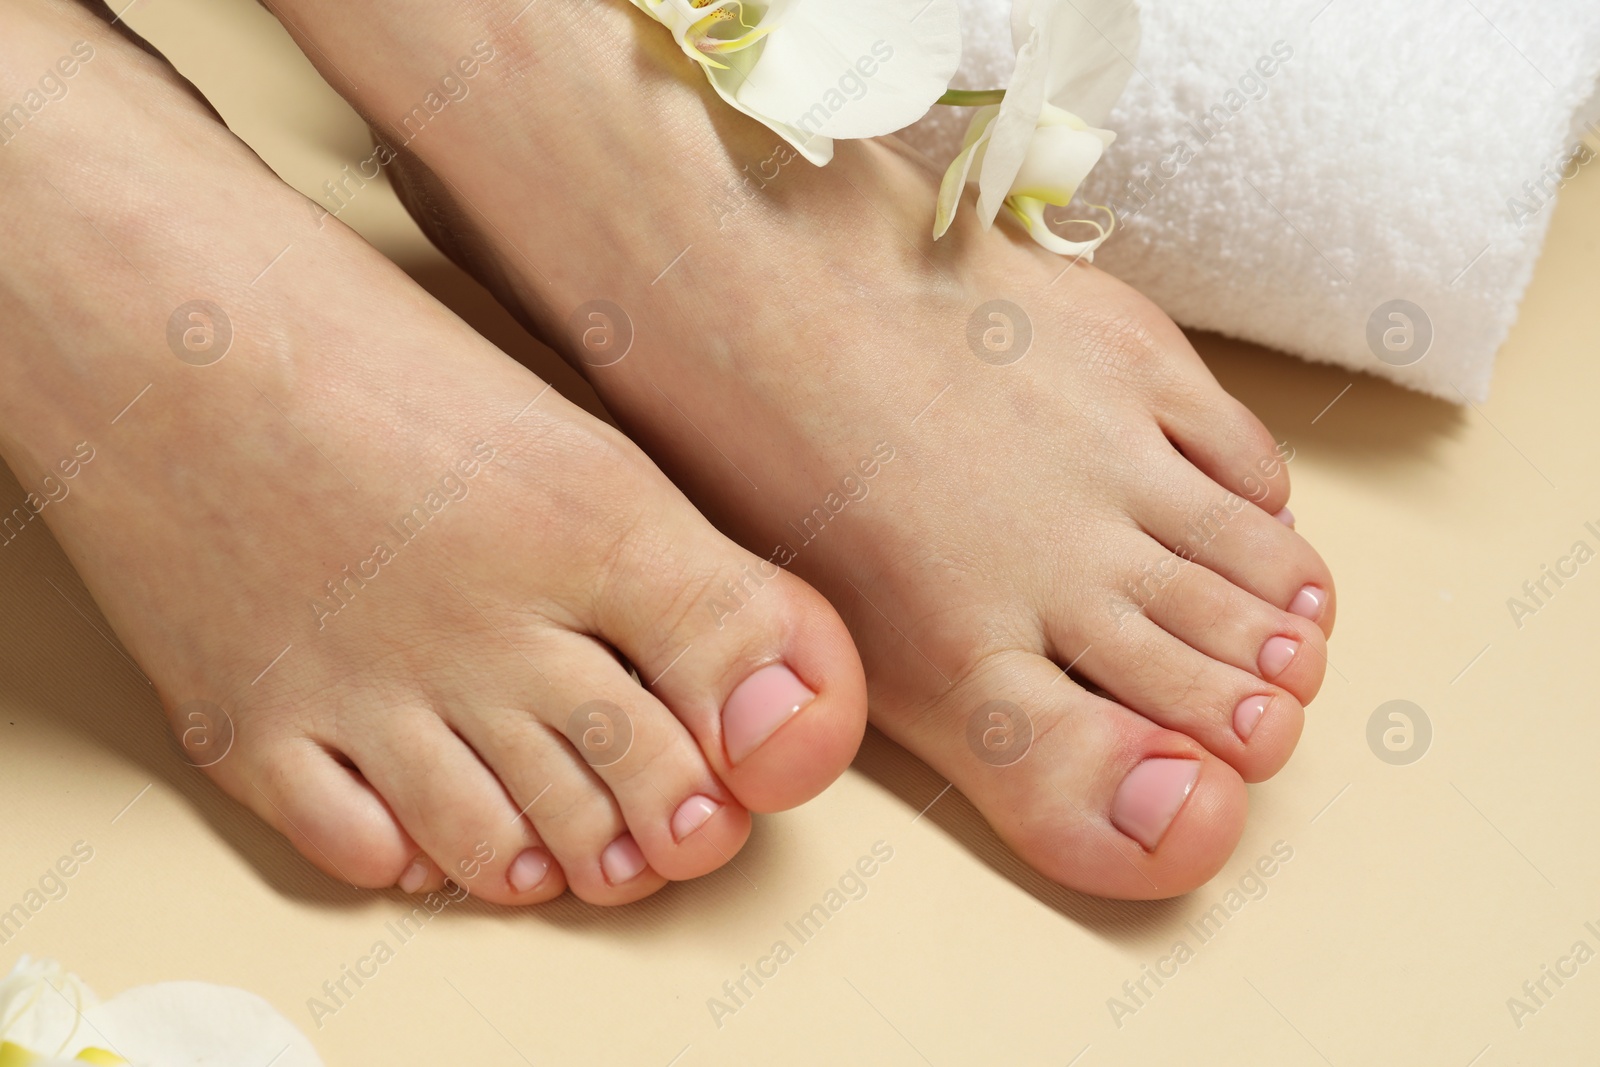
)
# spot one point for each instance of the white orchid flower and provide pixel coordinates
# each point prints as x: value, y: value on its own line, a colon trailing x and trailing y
x: 1035, y: 146
x: 816, y: 70
x: 49, y: 1018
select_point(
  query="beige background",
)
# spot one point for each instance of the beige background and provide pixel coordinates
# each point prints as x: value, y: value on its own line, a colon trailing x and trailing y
x: 1417, y: 900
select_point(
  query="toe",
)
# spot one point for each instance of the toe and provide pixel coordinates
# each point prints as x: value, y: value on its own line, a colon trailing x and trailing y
x: 1200, y: 520
x: 421, y: 875
x: 1250, y: 722
x: 560, y: 793
x: 453, y: 806
x: 683, y: 820
x: 327, y: 810
x: 1225, y: 440
x: 583, y: 827
x: 585, y: 830
x: 1223, y: 622
x: 1194, y: 653
x: 755, y: 663
x: 1091, y: 794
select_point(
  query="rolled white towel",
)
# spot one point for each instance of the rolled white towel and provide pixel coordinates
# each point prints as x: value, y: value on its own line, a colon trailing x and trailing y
x: 1356, y: 182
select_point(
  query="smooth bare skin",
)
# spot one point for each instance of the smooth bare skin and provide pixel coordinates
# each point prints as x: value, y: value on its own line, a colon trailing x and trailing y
x: 789, y: 319
x: 418, y: 724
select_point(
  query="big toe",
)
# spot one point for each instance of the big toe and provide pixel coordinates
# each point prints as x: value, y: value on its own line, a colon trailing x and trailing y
x: 1089, y: 793
x: 752, y: 660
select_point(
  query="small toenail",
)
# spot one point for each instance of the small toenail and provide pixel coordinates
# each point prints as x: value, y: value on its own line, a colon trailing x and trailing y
x: 1308, y: 603
x: 415, y: 875
x: 1149, y: 798
x: 1276, y: 655
x: 622, y: 861
x: 1286, y: 517
x: 759, y: 705
x: 691, y: 815
x: 528, y: 869
x: 1247, y: 714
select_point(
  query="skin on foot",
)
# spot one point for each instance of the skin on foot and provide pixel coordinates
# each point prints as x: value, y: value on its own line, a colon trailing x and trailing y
x: 391, y: 588
x: 995, y: 470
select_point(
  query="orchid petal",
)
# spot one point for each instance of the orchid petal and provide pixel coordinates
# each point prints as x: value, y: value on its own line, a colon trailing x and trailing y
x: 1093, y: 46
x: 1030, y: 212
x: 848, y: 69
x: 1059, y: 157
x: 14, y: 1055
x: 728, y: 80
x: 692, y: 26
x: 1013, y: 128
x: 48, y: 1017
x: 955, y: 177
x: 192, y: 1024
x: 40, y: 1005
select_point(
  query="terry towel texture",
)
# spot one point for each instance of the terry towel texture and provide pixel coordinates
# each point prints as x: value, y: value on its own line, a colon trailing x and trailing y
x: 1395, y: 152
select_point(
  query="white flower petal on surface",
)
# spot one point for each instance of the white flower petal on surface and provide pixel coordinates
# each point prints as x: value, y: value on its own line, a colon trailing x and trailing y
x: 13, y: 1055
x: 48, y: 1016
x: 40, y: 1005
x: 197, y: 1024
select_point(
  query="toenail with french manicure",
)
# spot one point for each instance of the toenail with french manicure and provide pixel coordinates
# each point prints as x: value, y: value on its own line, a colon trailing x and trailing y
x: 691, y: 815
x: 1248, y: 714
x: 622, y: 861
x: 528, y: 870
x: 759, y: 705
x: 1308, y: 603
x: 1276, y: 655
x: 1286, y: 517
x: 415, y: 875
x: 1149, y: 798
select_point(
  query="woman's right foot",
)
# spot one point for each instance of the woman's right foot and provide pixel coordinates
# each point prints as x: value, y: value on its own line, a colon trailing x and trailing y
x: 382, y: 578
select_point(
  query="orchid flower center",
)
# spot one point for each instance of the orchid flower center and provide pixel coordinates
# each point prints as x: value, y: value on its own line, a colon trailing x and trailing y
x: 707, y: 28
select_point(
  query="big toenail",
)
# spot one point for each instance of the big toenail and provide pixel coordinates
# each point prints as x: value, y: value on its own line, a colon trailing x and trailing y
x: 1247, y: 714
x: 415, y: 875
x: 1149, y: 798
x: 528, y: 869
x: 691, y: 815
x: 622, y: 861
x: 1286, y: 517
x: 759, y: 705
x: 1276, y: 655
x: 1308, y: 603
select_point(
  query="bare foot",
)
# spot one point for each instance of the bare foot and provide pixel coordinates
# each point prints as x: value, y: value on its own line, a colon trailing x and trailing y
x: 993, y: 494
x: 379, y: 574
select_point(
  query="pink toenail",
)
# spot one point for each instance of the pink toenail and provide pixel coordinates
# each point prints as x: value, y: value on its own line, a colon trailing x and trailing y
x: 1286, y: 517
x: 1149, y: 798
x: 528, y: 869
x: 1308, y: 603
x: 1276, y: 655
x: 691, y: 815
x: 1247, y: 714
x: 622, y: 861
x: 759, y: 705
x: 415, y: 875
